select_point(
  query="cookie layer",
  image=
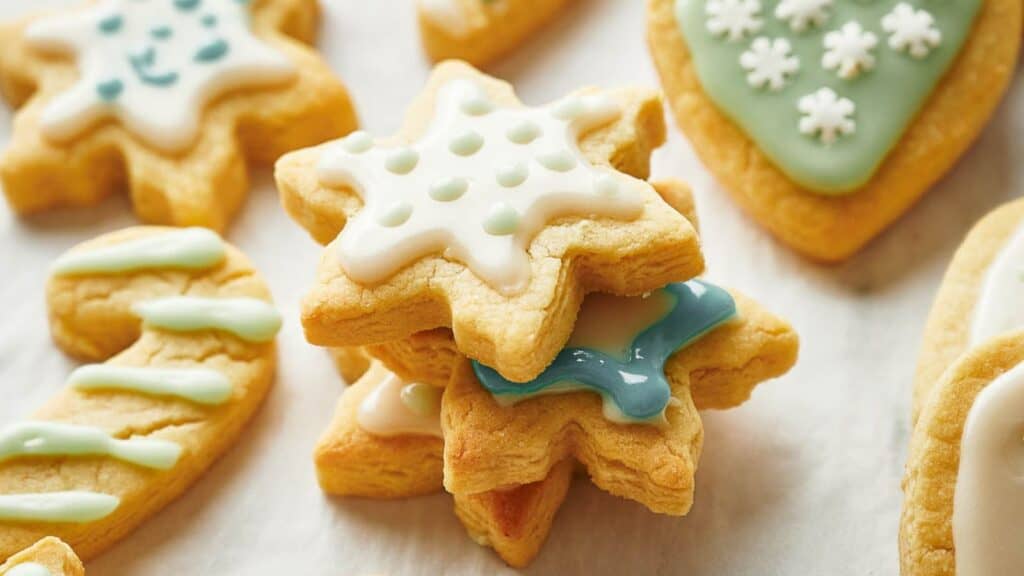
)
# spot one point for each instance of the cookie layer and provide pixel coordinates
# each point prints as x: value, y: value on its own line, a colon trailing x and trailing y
x: 48, y: 557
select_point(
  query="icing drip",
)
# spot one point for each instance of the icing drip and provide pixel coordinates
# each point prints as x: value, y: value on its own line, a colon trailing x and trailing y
x: 197, y: 385
x: 395, y: 408
x: 632, y: 383
x: 250, y: 319
x: 74, y: 507
x: 187, y: 249
x: 478, y: 187
x: 54, y: 439
x: 988, y: 502
x: 153, y: 65
x: 29, y: 569
x: 1000, y: 306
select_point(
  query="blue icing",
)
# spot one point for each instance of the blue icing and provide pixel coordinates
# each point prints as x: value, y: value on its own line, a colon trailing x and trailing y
x: 109, y: 90
x: 143, y: 64
x: 186, y: 4
x: 161, y: 32
x: 209, y: 20
x: 111, y: 24
x: 211, y: 51
x: 638, y: 387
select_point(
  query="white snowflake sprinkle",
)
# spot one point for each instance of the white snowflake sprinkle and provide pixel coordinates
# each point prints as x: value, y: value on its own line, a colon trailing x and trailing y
x: 848, y: 50
x: 911, y: 30
x: 769, y: 63
x: 802, y: 14
x: 735, y: 19
x: 826, y: 115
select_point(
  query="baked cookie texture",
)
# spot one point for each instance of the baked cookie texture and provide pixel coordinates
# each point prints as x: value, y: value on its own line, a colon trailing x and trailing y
x: 203, y: 183
x: 567, y: 259
x: 51, y: 554
x: 480, y: 31
x: 926, y: 525
x: 833, y: 228
x: 91, y: 317
x: 947, y: 332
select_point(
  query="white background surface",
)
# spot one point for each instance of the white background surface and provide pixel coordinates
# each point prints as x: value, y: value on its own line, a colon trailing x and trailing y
x: 802, y: 480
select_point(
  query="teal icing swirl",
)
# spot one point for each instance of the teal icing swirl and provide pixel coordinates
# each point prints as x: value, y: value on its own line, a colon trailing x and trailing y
x: 111, y: 24
x: 162, y: 32
x: 110, y: 90
x: 211, y: 51
x: 143, y: 64
x: 186, y: 5
x: 638, y: 386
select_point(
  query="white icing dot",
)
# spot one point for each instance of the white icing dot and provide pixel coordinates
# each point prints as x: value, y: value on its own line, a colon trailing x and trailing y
x: 357, y: 142
x: 448, y: 189
x: 523, y: 132
x: 568, y: 109
x: 557, y: 160
x: 402, y: 161
x: 606, y: 185
x: 502, y: 220
x: 396, y: 214
x: 476, y: 105
x: 512, y: 175
x: 466, y: 143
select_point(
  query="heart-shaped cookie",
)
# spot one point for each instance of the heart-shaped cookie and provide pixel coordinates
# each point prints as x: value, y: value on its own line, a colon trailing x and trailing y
x: 827, y: 119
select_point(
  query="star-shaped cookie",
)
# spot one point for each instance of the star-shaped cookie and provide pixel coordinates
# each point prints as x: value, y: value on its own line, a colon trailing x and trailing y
x: 482, y: 210
x: 168, y: 99
x: 49, y: 554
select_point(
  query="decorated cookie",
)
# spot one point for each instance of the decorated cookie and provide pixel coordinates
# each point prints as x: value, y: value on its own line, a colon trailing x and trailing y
x: 483, y: 210
x: 187, y: 331
x: 169, y: 99
x: 48, y: 557
x: 828, y: 119
x: 963, y: 497
x: 479, y: 31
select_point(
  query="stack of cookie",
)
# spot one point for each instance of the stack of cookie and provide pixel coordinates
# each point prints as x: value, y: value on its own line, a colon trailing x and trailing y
x: 517, y: 302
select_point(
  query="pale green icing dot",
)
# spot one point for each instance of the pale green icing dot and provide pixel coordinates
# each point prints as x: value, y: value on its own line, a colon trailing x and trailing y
x: 887, y: 99
x: 402, y: 161
x: 568, y: 109
x: 109, y: 90
x: 476, y: 105
x: 422, y: 399
x: 512, y: 175
x: 466, y: 143
x: 250, y: 319
x: 448, y: 189
x: 29, y: 569
x: 523, y: 132
x: 56, y: 439
x: 557, y: 161
x: 161, y: 32
x: 502, y: 220
x: 606, y: 185
x: 396, y: 214
x: 111, y: 24
x: 187, y: 249
x: 357, y: 142
x: 212, y: 51
x: 74, y: 507
x: 198, y: 385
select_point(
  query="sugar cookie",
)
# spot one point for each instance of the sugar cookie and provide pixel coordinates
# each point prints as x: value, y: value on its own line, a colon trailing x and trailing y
x: 48, y: 557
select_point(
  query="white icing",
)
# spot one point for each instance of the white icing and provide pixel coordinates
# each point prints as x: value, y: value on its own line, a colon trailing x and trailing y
x: 802, y: 14
x: 166, y: 115
x: 29, y: 569
x: 57, y: 439
x: 988, y: 506
x: 734, y: 19
x: 511, y: 192
x: 848, y: 50
x: 912, y: 31
x: 75, y: 506
x: 389, y: 411
x: 826, y: 115
x: 1000, y: 306
x: 769, y: 63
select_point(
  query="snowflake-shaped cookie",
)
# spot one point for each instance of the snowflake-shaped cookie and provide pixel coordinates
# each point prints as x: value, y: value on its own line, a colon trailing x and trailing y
x: 911, y: 30
x: 826, y: 115
x: 769, y: 63
x: 154, y: 64
x: 848, y: 50
x: 802, y: 14
x: 478, y: 187
x: 734, y: 19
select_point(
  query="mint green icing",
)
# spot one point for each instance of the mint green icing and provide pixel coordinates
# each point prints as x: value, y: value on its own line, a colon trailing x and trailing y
x: 29, y: 569
x: 186, y: 249
x: 74, y: 507
x: 250, y: 319
x: 502, y: 220
x: 197, y: 385
x: 887, y: 97
x: 57, y: 439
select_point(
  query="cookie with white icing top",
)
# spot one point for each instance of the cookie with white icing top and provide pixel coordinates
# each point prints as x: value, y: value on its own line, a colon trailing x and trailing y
x: 963, y: 499
x: 480, y: 31
x: 482, y: 210
x: 185, y: 331
x: 827, y: 120
x: 169, y: 100
x: 48, y: 557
